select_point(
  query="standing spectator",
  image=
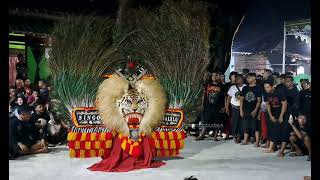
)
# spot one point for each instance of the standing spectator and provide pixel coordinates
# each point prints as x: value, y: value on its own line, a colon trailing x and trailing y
x: 292, y: 94
x: 44, y: 92
x: 234, y: 99
x: 206, y: 80
x: 305, y: 99
x: 300, y: 138
x: 244, y: 73
x: 249, y: 106
x: 267, y: 74
x: 22, y: 68
x: 23, y: 137
x: 277, y: 108
x: 214, y: 101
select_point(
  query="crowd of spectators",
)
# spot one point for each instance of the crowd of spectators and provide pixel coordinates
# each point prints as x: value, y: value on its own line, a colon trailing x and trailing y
x: 33, y: 128
x: 267, y: 110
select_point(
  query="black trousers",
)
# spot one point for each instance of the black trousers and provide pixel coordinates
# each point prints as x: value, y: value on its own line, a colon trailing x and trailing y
x: 279, y: 132
x: 250, y: 124
x: 236, y: 121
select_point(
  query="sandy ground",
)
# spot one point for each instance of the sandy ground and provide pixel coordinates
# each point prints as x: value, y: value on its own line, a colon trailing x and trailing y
x: 206, y: 160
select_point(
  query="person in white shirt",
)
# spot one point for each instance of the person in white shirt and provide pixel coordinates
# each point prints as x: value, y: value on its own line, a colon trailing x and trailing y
x: 234, y: 99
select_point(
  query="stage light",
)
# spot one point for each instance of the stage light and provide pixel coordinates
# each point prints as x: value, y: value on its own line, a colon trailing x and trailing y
x: 300, y: 70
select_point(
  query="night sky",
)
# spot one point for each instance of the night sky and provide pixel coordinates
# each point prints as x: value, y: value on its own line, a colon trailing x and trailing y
x: 262, y: 28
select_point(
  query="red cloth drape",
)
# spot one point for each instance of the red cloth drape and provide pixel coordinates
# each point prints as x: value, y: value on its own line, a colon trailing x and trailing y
x: 264, y: 129
x: 13, y: 60
x: 120, y: 161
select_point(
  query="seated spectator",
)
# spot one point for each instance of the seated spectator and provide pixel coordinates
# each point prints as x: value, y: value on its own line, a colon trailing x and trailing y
x: 58, y: 130
x: 44, y: 92
x: 19, y: 103
x: 12, y: 97
x: 40, y: 118
x: 20, y: 87
x: 300, y: 138
x: 27, y: 86
x: 23, y: 136
x: 33, y: 98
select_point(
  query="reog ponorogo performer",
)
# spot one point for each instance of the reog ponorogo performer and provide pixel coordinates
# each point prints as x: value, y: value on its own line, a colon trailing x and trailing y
x: 132, y: 108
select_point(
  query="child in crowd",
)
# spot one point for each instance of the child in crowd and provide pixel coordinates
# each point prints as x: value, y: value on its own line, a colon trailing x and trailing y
x: 250, y: 101
x: 44, y: 92
x: 18, y: 104
x: 20, y: 87
x: 12, y: 97
x: 27, y: 87
x: 33, y: 98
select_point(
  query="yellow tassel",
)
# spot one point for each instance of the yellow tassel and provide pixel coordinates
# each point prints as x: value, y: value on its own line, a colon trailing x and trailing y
x: 82, y: 153
x: 114, y: 133
x: 162, y: 135
x: 131, y: 149
x: 166, y: 152
x: 158, y: 153
x: 88, y: 145
x: 135, y: 144
x: 181, y: 143
x: 179, y: 135
x: 101, y: 152
x: 71, y: 136
x: 77, y: 145
x: 153, y: 135
x: 130, y: 141
x: 124, y: 144
x: 173, y: 144
x: 97, y: 144
x: 93, y: 136
x: 83, y: 136
x: 165, y: 144
x: 72, y: 153
x: 92, y: 153
x: 102, y: 137
x: 157, y: 144
x: 108, y: 144
x: 170, y: 135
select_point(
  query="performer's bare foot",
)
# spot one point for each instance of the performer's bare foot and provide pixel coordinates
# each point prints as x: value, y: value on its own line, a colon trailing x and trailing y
x: 244, y: 143
x: 199, y: 138
x: 281, y: 155
x: 268, y: 151
x: 307, y: 178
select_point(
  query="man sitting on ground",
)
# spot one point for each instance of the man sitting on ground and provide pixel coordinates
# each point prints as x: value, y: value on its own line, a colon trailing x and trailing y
x: 300, y: 138
x: 23, y: 136
x: 40, y: 118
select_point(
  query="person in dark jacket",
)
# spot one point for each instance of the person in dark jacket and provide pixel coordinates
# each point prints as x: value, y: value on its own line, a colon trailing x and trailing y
x: 23, y: 135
